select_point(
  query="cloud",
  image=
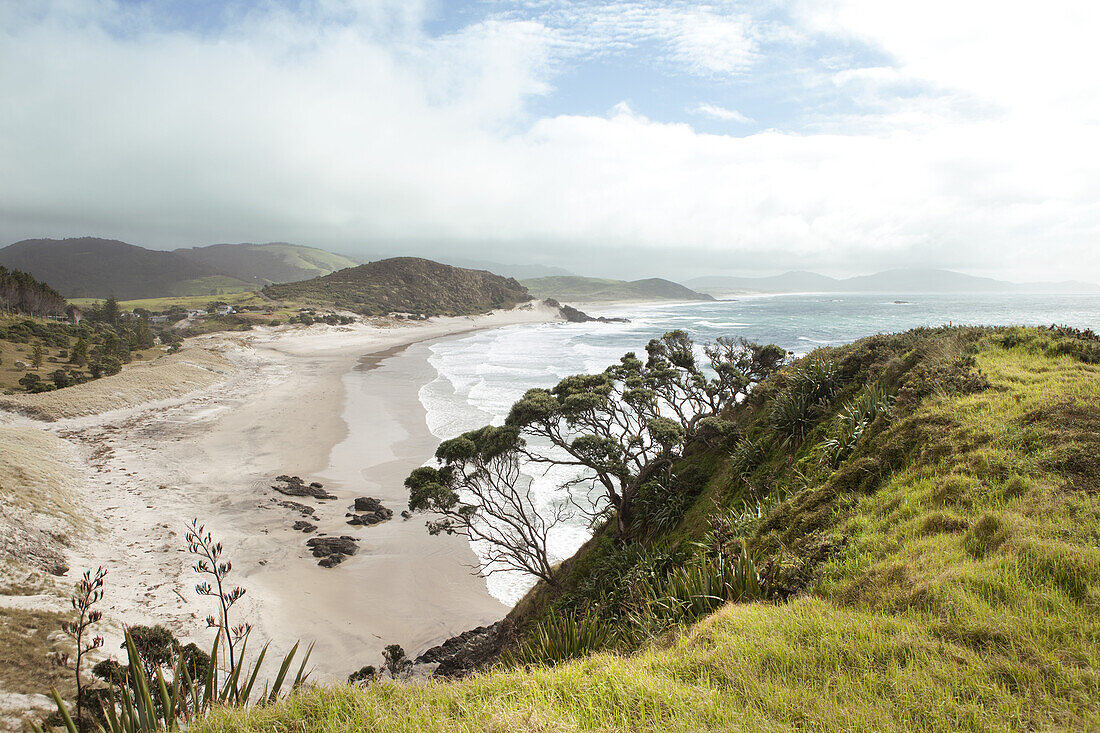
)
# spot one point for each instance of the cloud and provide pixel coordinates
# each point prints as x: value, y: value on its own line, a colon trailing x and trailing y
x: 346, y: 125
x: 720, y: 113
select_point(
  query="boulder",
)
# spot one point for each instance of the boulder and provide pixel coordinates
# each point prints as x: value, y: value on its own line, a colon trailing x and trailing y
x: 373, y: 512
x: 332, y: 550
x: 295, y: 486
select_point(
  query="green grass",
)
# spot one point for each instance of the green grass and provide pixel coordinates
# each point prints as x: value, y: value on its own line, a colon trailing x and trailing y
x: 945, y: 577
x: 237, y: 298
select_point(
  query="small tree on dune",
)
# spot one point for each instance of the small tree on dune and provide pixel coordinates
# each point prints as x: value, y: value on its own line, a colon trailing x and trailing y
x: 88, y: 592
x: 38, y: 354
x: 211, y: 562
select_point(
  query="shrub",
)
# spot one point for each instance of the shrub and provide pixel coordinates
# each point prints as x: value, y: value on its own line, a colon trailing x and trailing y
x: 810, y: 384
x: 563, y: 636
x: 851, y: 423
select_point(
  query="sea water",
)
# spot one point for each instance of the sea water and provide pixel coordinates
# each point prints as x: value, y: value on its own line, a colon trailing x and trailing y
x: 479, y: 376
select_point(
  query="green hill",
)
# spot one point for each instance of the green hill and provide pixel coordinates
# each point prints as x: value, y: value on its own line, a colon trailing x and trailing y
x: 87, y: 267
x: 574, y: 288
x: 406, y: 285
x: 920, y: 512
x: 263, y: 264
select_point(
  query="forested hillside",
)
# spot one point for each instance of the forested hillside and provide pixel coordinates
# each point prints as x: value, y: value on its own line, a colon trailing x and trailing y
x: 406, y: 285
x: 22, y: 294
x: 88, y: 267
x: 899, y: 534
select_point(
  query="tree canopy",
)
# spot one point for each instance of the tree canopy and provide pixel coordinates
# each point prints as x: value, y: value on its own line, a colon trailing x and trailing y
x: 617, y: 430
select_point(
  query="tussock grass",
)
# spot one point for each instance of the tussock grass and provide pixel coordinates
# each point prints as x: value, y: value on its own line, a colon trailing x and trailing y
x: 949, y: 579
x: 163, y: 378
x: 34, y: 472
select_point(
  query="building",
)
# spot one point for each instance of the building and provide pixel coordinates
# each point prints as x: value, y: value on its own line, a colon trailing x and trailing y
x: 225, y: 310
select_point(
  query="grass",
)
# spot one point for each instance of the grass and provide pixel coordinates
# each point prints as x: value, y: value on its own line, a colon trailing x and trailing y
x: 950, y: 580
x: 239, y: 298
x: 27, y: 638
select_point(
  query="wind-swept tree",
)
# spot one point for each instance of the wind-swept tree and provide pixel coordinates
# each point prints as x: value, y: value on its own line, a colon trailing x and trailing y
x: 617, y: 430
x: 479, y: 493
x: 623, y: 427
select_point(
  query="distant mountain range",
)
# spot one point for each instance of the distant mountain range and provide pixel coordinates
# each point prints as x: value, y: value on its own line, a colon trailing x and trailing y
x: 889, y: 281
x: 89, y: 267
x: 406, y: 285
x: 575, y: 288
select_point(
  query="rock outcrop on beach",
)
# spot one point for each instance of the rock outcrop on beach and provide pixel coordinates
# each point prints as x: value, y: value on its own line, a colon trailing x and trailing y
x: 332, y: 550
x: 372, y: 512
x: 295, y: 486
x: 469, y: 652
x: 574, y: 315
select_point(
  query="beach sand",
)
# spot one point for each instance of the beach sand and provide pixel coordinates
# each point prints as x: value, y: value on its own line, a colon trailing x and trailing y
x: 337, y: 405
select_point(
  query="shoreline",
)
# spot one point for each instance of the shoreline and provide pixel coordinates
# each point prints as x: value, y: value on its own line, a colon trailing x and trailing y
x: 334, y: 404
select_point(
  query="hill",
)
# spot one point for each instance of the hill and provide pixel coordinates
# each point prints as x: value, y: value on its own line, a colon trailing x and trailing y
x: 577, y: 288
x: 87, y: 267
x: 263, y: 264
x: 889, y: 281
x: 406, y: 285
x: 905, y: 531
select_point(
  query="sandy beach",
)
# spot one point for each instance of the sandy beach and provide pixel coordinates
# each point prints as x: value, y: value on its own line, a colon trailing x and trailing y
x: 337, y: 405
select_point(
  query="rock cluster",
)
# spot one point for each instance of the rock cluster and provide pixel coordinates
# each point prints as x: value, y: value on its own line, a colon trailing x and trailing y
x: 304, y: 526
x: 295, y: 486
x: 573, y: 315
x: 468, y: 652
x: 304, y: 509
x: 332, y: 550
x: 372, y: 512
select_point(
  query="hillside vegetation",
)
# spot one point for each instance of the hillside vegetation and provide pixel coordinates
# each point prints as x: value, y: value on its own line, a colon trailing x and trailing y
x: 577, y: 288
x: 93, y: 268
x: 263, y: 264
x: 22, y: 294
x: 97, y: 268
x: 406, y: 285
x: 911, y: 521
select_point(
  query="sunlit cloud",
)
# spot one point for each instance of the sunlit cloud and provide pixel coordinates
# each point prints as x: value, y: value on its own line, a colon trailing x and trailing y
x: 350, y: 125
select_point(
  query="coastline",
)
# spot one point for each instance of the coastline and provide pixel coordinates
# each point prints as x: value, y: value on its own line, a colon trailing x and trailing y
x: 337, y: 405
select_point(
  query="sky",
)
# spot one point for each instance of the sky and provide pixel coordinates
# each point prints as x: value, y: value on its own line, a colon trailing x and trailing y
x: 624, y: 139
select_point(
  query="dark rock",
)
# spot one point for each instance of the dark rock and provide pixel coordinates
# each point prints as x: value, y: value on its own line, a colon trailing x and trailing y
x: 573, y: 315
x: 332, y: 550
x: 468, y: 652
x: 406, y: 514
x: 303, y: 526
x: 367, y: 504
x: 303, y: 509
x: 295, y: 486
x: 373, y: 510
x: 316, y: 485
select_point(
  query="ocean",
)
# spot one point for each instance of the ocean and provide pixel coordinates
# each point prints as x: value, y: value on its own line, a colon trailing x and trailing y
x: 479, y: 376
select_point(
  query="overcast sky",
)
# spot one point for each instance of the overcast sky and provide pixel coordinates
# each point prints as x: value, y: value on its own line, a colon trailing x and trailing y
x: 620, y: 138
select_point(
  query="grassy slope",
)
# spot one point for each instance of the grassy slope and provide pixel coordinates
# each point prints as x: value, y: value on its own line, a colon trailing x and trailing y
x: 961, y: 592
x: 11, y: 352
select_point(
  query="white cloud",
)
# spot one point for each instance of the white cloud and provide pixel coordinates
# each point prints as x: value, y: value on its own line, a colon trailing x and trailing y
x: 338, y: 134
x: 720, y: 113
